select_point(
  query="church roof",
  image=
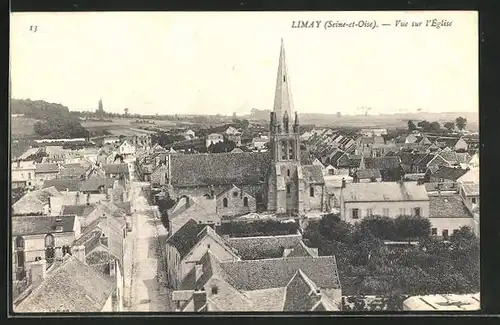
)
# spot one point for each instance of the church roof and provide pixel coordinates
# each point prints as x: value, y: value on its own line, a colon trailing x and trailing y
x: 282, y: 98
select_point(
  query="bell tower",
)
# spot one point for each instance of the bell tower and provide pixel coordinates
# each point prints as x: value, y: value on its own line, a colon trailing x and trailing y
x: 285, y: 185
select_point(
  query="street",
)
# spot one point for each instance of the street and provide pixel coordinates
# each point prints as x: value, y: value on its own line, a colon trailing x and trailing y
x: 142, y: 286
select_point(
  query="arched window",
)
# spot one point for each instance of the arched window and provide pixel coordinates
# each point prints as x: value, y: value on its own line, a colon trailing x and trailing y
x: 224, y: 202
x: 311, y: 191
x: 291, y: 152
x: 19, y: 243
x: 49, y: 241
x: 288, y: 172
x: 245, y: 201
x: 288, y: 189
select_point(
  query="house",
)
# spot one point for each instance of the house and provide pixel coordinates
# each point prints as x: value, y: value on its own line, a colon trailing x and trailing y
x: 375, y: 132
x: 70, y: 193
x: 23, y: 174
x: 367, y: 175
x: 330, y: 170
x: 73, y: 286
x: 81, y: 211
x: 428, y: 161
x: 233, y: 134
x: 390, y: 199
x: 277, y: 284
x: 189, y: 135
x: 471, y: 176
x: 35, y: 202
x: 213, y: 138
x: 110, y: 140
x: 46, y: 172
x: 333, y: 185
x: 445, y: 174
x: 200, y: 209
x: 117, y: 171
x: 73, y: 170
x: 236, y: 150
x: 451, y: 302
x: 474, y: 160
x: 447, y: 214
x: 263, y: 247
x: 348, y: 164
x: 186, y: 246
x: 35, y: 237
x: 317, y: 162
x: 126, y: 149
x: 259, y: 142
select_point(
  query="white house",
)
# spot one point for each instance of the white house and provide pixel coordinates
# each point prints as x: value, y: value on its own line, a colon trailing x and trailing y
x: 189, y: 134
x: 390, y: 199
x: 259, y: 142
x: 448, y: 213
x: 214, y: 138
x: 23, y: 174
x: 126, y: 149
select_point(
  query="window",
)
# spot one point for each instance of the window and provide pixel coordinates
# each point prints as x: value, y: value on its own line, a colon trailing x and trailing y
x: 386, y: 212
x: 416, y: 212
x: 208, y: 246
x: 445, y: 234
x: 245, y: 201
x: 369, y: 212
x: 29, y: 175
x: 19, y: 243
x: 288, y: 172
x: 215, y: 290
x: 474, y: 200
x: 49, y: 241
x: 311, y: 191
x: 355, y: 213
x: 284, y: 78
x: 288, y: 189
x: 20, y: 258
x: 434, y: 231
x: 402, y: 211
x: 290, y: 150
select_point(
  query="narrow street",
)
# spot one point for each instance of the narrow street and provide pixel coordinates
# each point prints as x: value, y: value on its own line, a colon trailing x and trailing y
x: 144, y: 289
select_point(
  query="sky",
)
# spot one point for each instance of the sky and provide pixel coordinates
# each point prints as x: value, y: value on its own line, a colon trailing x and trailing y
x: 225, y: 62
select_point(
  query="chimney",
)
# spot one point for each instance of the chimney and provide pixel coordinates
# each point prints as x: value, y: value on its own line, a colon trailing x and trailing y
x: 38, y: 272
x: 343, y: 182
x: 199, y: 299
x: 79, y: 253
x: 198, y: 271
x: 104, y: 240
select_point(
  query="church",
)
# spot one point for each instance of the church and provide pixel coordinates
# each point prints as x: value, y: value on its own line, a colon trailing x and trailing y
x: 281, y: 180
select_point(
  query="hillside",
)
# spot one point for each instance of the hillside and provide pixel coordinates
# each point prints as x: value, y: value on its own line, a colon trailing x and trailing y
x: 38, y: 109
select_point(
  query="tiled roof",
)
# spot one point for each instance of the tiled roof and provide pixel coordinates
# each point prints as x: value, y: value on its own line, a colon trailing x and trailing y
x: 74, y: 286
x: 273, y: 273
x: 73, y: 170
x: 32, y: 225
x: 301, y: 293
x: 125, y: 206
x: 367, y: 173
x: 384, y: 191
x: 219, y: 169
x: 313, y: 174
x: 449, y: 173
x: 391, y: 162
x: 301, y: 250
x: 47, y: 168
x: 93, y: 184
x: 471, y: 189
x: 35, y: 200
x: 443, y: 186
x: 115, y: 168
x: 186, y: 237
x: 72, y: 185
x: 262, y: 247
x: 79, y: 210
x: 448, y: 206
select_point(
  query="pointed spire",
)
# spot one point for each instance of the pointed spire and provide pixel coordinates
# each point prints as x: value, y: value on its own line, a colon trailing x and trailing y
x: 282, y: 97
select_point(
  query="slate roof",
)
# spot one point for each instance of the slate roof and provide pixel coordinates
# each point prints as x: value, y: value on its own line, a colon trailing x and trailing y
x: 35, y: 200
x: 33, y: 225
x: 448, y: 206
x: 384, y: 191
x: 186, y: 237
x: 313, y: 174
x: 273, y: 273
x: 444, y: 186
x: 61, y: 185
x: 367, y: 173
x: 262, y: 247
x: 72, y: 170
x: 301, y: 293
x: 79, y: 210
x: 381, y: 163
x: 46, y: 168
x: 449, y: 173
x: 300, y: 250
x: 219, y: 169
x: 115, y: 168
x: 74, y: 286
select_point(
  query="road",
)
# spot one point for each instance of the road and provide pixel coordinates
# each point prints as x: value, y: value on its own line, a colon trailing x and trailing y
x: 145, y: 291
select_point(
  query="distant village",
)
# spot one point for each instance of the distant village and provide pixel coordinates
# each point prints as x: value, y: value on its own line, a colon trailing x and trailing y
x: 248, y: 217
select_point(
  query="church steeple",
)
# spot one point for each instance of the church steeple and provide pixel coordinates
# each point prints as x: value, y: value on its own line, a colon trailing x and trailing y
x: 282, y: 96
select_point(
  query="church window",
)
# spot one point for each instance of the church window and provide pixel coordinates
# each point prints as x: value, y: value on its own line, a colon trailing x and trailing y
x: 245, y: 201
x: 311, y: 191
x: 283, y: 150
x: 288, y: 189
x: 288, y: 172
x: 284, y: 78
x: 235, y: 194
x: 290, y: 150
x: 224, y: 203
x: 19, y: 243
x: 49, y: 241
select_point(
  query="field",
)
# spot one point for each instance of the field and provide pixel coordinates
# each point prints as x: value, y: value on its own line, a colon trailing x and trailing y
x: 22, y: 126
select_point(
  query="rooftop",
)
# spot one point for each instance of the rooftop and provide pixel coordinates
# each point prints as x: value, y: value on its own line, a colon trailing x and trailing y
x: 186, y: 237
x: 47, y: 168
x: 62, y: 185
x: 384, y: 191
x: 443, y: 302
x: 448, y: 206
x: 34, y: 225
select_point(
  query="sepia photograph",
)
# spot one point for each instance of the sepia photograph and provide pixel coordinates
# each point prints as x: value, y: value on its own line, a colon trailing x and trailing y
x: 277, y: 162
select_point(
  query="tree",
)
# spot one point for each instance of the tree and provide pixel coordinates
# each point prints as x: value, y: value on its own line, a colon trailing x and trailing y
x: 334, y: 229
x: 164, y: 204
x: 434, y: 127
x: 450, y: 126
x: 423, y: 124
x: 380, y: 227
x: 411, y: 125
x: 410, y: 227
x: 461, y: 122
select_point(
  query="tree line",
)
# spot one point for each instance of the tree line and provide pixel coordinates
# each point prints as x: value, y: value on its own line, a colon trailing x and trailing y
x: 426, y: 126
